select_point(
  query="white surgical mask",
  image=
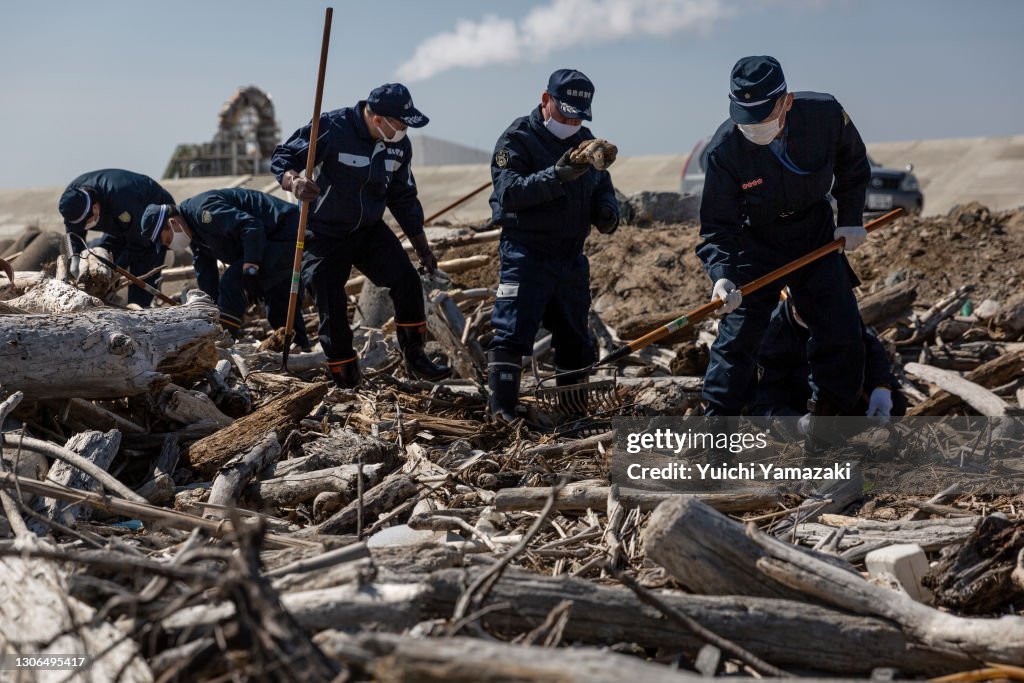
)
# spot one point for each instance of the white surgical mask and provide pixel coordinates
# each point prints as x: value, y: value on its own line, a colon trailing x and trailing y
x: 761, y: 133
x: 399, y: 134
x: 561, y: 130
x: 179, y: 240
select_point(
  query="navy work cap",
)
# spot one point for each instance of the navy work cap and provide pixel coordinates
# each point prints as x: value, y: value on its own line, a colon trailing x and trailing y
x: 75, y: 206
x: 573, y: 92
x: 394, y: 101
x: 756, y: 84
x: 153, y: 221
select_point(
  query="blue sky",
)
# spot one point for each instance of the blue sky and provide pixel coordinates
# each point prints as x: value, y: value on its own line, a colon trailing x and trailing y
x: 118, y: 83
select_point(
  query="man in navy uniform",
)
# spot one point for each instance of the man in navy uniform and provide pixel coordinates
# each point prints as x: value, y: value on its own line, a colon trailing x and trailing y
x: 250, y: 231
x: 545, y: 205
x: 770, y: 168
x: 364, y: 160
x: 112, y: 201
x: 783, y: 371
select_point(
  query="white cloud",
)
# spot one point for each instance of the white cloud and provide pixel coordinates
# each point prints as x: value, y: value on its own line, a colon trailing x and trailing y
x: 560, y: 25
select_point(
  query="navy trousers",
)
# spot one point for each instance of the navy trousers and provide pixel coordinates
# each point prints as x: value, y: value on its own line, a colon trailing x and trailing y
x: 275, y: 278
x: 835, y: 349
x: 377, y: 253
x: 543, y: 288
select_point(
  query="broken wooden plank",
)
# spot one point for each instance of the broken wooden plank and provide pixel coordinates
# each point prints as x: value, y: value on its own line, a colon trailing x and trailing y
x: 978, y: 397
x: 994, y: 373
x: 280, y: 415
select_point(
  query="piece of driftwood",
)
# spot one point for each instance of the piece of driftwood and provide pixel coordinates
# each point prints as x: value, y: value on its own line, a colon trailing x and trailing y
x: 94, y: 276
x: 188, y: 407
x: 54, y: 296
x: 338, y: 447
x: 235, y: 474
x: 998, y: 640
x: 976, y: 576
x: 106, y: 353
x: 280, y: 415
x: 394, y: 490
x: 881, y: 308
x: 96, y: 447
x: 39, y: 617
x: 942, y: 309
x: 978, y: 397
x: 446, y: 322
x: 99, y: 417
x: 405, y: 659
x: 292, y: 489
x: 861, y: 536
x: 994, y: 373
x: 709, y: 553
x: 582, y: 496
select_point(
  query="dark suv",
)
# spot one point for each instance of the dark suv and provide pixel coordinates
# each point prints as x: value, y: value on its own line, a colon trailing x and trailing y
x: 888, y: 188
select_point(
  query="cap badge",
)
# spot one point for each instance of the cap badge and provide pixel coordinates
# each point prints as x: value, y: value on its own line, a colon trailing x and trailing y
x: 207, y: 217
x: 125, y: 217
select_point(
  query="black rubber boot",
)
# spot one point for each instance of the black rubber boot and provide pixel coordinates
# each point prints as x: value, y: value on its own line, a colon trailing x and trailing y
x: 504, y: 370
x: 345, y: 373
x: 412, y: 339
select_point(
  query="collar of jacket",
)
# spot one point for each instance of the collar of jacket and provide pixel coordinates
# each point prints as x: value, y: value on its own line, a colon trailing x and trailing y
x: 537, y: 123
x: 359, y: 121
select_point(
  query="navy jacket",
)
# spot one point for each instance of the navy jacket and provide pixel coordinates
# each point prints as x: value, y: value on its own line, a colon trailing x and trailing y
x: 358, y: 176
x: 529, y: 202
x: 235, y: 225
x: 748, y: 193
x: 122, y: 196
x: 783, y: 371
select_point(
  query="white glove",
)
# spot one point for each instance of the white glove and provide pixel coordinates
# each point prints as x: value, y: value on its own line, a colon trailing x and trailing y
x: 855, y: 236
x: 803, y: 425
x: 727, y: 292
x: 880, y: 404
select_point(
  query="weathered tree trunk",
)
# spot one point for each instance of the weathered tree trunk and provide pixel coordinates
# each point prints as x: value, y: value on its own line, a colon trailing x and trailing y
x: 385, y: 496
x: 106, y: 353
x: 880, y: 308
x: 581, y: 496
x: 54, y: 296
x: 709, y: 553
x: 279, y: 415
x: 302, y: 487
x: 978, y: 397
x: 189, y: 407
x: 994, y: 373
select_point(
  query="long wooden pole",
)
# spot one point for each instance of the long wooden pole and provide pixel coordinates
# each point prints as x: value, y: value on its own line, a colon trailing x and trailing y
x: 698, y: 314
x: 451, y: 206
x: 314, y: 132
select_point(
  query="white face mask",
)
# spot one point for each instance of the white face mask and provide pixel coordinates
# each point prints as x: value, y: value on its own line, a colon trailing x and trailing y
x: 561, y: 130
x: 399, y: 134
x: 179, y: 240
x: 761, y: 133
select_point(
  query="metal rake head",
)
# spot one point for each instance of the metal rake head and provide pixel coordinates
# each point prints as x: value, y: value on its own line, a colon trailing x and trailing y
x: 576, y: 400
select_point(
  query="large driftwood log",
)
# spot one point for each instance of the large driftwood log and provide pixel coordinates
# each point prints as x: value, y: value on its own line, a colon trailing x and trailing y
x: 280, y: 415
x: 54, y: 296
x: 880, y: 308
x: 106, y: 353
x: 301, y: 487
x: 39, y: 617
x: 385, y: 496
x: 988, y: 640
x: 994, y: 373
x: 709, y: 553
x: 98, y: 448
x: 582, y: 496
x: 978, y: 397
x: 406, y: 659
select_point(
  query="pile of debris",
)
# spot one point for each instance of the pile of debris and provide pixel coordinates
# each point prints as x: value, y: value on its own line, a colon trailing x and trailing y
x: 177, y: 508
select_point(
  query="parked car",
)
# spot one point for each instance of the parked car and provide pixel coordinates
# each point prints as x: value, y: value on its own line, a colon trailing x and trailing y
x: 888, y: 188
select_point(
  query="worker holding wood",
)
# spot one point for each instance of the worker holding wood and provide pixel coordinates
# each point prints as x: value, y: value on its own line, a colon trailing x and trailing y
x: 364, y: 161
x: 545, y: 199
x: 770, y: 169
x: 251, y: 232
x: 112, y: 201
x: 783, y: 372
